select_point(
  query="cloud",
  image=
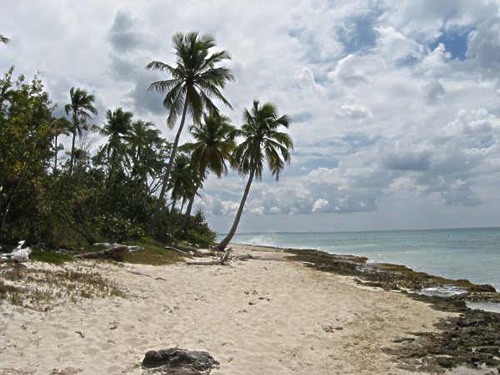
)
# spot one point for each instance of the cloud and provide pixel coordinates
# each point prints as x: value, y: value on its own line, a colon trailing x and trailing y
x: 122, y: 35
x: 392, y: 102
x: 433, y: 91
x: 407, y: 161
x: 354, y: 111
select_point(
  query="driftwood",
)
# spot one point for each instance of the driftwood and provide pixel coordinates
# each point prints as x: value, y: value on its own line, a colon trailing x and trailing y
x: 115, y: 252
x: 182, y: 252
x: 223, y: 260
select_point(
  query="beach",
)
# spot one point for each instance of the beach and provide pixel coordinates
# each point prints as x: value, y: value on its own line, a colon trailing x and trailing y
x: 265, y: 315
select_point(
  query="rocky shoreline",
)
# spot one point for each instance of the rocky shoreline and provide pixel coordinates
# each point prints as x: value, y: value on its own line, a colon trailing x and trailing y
x: 471, y: 339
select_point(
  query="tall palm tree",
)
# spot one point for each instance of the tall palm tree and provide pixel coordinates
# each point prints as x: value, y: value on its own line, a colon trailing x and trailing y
x: 192, y: 84
x: 81, y: 109
x: 263, y: 144
x: 213, y: 147
x: 117, y: 127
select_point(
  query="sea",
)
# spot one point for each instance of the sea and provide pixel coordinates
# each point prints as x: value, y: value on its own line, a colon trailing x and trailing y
x: 470, y: 253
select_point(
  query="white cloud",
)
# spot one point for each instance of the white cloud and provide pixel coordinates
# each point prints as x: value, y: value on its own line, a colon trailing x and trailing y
x: 384, y: 113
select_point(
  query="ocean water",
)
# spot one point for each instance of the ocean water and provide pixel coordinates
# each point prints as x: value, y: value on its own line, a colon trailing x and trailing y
x: 472, y: 254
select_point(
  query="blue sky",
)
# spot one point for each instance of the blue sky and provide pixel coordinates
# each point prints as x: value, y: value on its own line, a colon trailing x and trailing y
x: 396, y: 105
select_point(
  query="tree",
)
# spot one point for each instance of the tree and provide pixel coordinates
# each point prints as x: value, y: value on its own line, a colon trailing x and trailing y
x: 81, y: 109
x: 117, y: 127
x: 184, y: 179
x: 213, y: 147
x: 4, y: 39
x: 25, y: 154
x: 263, y: 144
x: 191, y: 87
x: 60, y: 126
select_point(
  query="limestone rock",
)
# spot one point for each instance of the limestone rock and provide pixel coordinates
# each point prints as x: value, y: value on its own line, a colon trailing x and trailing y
x: 176, y: 361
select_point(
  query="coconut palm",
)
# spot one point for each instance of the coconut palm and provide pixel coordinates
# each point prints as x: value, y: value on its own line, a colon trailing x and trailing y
x: 141, y: 138
x: 213, y: 146
x: 184, y: 179
x: 192, y: 85
x: 146, y: 151
x: 60, y: 126
x: 81, y: 109
x: 263, y: 144
x: 118, y: 126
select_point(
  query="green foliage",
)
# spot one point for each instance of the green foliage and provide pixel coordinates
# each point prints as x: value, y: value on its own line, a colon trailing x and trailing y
x: 117, y: 228
x: 152, y: 253
x: 198, y: 232
x: 135, y: 184
x: 106, y: 196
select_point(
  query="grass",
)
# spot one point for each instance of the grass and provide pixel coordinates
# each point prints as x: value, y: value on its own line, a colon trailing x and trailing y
x: 51, y: 257
x: 152, y: 253
x: 42, y: 288
x: 50, y: 281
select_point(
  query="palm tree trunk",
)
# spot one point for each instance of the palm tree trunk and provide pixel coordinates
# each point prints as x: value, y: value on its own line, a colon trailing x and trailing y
x: 232, y: 231
x: 187, y: 214
x: 172, y: 209
x: 55, y: 155
x: 166, y: 176
x: 72, y: 159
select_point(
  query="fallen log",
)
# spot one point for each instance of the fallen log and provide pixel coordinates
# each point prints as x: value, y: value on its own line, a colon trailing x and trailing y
x: 182, y: 252
x: 114, y: 252
x: 222, y: 261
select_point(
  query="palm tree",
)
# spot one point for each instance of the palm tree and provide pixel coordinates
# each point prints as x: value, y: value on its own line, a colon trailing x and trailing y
x: 263, y: 143
x: 4, y: 39
x: 191, y: 87
x: 141, y: 139
x: 118, y: 126
x: 213, y: 146
x: 81, y: 109
x: 60, y: 126
x: 184, y: 180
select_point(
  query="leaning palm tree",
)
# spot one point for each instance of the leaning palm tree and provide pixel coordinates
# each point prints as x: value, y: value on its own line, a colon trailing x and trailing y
x: 213, y: 147
x: 263, y: 143
x: 81, y: 109
x: 192, y: 85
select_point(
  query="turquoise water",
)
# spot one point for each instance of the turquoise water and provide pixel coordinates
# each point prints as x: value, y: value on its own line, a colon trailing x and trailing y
x: 472, y: 254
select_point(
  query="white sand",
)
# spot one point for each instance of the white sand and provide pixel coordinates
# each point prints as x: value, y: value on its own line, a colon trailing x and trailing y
x: 262, y: 316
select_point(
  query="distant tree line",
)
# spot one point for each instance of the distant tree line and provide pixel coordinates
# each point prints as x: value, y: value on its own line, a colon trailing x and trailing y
x: 136, y: 184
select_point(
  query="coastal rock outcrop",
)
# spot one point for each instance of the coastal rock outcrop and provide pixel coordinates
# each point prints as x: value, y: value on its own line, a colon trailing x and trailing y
x: 472, y: 339
x: 176, y: 361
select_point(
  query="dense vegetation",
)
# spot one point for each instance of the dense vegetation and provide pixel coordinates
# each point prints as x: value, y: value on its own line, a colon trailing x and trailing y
x: 58, y: 189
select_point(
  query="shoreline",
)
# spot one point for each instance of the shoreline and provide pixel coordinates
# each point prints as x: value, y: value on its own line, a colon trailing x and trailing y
x: 267, y: 314
x: 434, y: 278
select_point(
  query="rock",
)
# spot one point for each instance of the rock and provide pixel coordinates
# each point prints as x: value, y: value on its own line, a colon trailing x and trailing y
x: 175, y: 361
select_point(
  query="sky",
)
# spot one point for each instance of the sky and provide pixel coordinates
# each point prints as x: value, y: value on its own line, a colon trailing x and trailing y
x: 395, y: 105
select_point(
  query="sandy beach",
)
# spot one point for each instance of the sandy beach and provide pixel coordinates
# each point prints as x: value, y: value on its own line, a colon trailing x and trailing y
x: 265, y: 315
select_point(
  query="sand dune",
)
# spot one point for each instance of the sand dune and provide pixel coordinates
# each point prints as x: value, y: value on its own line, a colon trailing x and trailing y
x: 261, y: 316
